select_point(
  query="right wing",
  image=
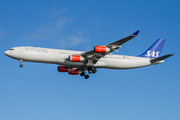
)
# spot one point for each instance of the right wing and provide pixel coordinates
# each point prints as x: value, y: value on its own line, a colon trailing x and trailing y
x: 93, y: 56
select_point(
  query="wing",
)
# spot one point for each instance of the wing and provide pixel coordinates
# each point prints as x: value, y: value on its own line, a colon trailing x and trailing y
x: 122, y: 41
x: 92, y: 56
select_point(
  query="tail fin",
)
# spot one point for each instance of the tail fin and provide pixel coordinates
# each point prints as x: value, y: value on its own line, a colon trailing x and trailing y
x: 155, y: 50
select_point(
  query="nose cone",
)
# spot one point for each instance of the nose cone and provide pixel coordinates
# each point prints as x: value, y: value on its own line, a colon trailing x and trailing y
x: 6, y: 52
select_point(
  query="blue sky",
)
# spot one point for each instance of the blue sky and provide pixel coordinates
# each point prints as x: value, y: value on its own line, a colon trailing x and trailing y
x: 38, y: 91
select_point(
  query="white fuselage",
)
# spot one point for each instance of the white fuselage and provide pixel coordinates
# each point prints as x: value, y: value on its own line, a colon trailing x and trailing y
x: 61, y: 57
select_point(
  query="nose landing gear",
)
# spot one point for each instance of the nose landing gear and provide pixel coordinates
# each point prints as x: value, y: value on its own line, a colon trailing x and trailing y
x: 21, y: 65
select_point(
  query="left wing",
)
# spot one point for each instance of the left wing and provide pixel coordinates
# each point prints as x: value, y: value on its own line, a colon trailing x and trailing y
x: 100, y: 51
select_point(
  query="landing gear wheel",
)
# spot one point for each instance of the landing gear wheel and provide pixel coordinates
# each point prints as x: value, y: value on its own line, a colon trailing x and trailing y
x: 86, y: 76
x: 94, y: 71
x: 21, y: 65
x: 82, y: 74
x: 90, y: 71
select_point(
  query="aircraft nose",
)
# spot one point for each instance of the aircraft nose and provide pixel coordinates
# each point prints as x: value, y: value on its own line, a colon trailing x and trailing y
x: 6, y: 52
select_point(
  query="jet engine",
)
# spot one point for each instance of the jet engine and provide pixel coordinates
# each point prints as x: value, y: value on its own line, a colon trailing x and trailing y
x: 74, y: 72
x: 63, y: 69
x: 76, y: 58
x: 101, y: 49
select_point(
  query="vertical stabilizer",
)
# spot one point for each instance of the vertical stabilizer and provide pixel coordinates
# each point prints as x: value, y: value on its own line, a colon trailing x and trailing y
x: 155, y: 50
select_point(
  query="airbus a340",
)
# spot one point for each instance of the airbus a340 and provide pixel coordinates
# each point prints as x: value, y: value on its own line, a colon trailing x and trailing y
x: 77, y: 62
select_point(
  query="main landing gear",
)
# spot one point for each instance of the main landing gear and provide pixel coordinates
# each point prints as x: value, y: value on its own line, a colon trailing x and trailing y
x: 85, y: 76
x: 21, y: 65
x: 90, y: 70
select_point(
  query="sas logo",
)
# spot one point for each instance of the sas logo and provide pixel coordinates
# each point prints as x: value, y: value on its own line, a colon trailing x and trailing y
x: 152, y: 53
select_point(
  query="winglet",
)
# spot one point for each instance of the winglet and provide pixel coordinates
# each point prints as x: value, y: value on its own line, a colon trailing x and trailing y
x: 136, y: 33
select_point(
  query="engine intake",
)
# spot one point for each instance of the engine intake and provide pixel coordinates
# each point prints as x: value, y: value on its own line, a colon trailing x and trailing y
x: 101, y: 49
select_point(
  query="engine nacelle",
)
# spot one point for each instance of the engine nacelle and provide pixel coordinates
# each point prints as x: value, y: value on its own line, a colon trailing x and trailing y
x: 74, y: 72
x: 76, y: 58
x: 63, y: 69
x: 101, y: 49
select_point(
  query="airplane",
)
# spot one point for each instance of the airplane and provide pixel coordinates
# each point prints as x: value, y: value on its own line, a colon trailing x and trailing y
x: 78, y: 62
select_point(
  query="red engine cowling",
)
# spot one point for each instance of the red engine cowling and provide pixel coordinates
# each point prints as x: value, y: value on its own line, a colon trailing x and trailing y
x: 74, y: 72
x: 76, y: 58
x: 63, y: 69
x: 101, y: 49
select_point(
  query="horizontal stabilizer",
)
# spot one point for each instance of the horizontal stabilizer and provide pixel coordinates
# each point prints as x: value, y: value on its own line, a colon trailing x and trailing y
x: 161, y: 58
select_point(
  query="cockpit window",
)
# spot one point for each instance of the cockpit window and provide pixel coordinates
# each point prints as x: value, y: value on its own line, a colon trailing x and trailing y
x: 11, y: 49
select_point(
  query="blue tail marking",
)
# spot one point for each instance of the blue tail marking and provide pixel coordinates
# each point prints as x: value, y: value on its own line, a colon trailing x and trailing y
x: 155, y: 50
